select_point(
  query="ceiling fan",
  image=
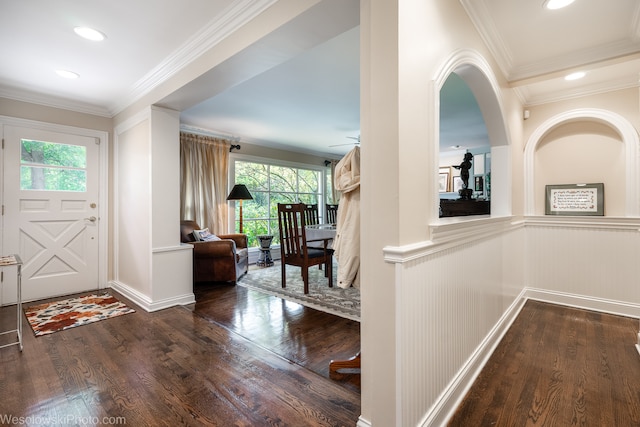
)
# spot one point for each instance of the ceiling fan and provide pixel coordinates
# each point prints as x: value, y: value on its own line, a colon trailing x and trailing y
x: 357, y: 141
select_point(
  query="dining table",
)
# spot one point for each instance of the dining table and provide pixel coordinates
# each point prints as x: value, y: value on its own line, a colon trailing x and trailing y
x: 318, y: 232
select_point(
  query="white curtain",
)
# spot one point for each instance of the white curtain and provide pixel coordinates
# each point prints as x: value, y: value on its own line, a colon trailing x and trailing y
x: 204, y: 169
x: 347, y: 242
x: 335, y: 194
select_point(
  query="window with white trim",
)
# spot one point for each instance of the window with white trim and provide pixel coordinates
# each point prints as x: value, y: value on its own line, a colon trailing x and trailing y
x: 270, y: 183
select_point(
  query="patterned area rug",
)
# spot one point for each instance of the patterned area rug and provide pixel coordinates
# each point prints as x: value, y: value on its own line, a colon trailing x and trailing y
x: 55, y: 316
x: 341, y: 302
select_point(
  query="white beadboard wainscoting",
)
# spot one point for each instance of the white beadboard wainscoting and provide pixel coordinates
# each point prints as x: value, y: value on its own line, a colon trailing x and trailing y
x: 457, y: 295
x: 586, y: 262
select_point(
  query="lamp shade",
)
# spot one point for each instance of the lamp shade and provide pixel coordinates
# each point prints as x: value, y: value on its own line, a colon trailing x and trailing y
x: 239, y: 192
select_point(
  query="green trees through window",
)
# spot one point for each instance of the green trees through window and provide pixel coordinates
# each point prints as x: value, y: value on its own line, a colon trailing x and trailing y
x: 51, y: 166
x: 270, y: 185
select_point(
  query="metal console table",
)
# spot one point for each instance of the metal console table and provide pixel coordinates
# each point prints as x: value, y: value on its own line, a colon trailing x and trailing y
x: 15, y: 261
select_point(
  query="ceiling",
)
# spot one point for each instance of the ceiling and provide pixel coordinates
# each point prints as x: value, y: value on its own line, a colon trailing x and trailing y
x: 303, y: 93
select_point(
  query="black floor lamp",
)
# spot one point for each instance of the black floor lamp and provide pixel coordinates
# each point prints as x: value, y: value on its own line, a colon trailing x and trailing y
x: 240, y: 192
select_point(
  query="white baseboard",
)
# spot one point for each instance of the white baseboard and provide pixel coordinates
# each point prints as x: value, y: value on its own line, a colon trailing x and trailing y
x: 455, y: 392
x: 602, y: 305
x: 363, y: 423
x: 146, y: 303
x: 457, y: 389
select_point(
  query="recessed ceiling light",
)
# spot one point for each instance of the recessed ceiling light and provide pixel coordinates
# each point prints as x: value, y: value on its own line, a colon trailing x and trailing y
x: 557, y: 4
x: 89, y: 34
x: 575, y: 76
x: 67, y: 74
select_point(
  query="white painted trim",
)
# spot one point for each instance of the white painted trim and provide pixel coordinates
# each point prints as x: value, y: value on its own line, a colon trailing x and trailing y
x: 455, y: 233
x: 471, y: 66
x: 52, y: 101
x: 602, y: 305
x: 146, y: 303
x: 131, y: 122
x: 620, y: 124
x: 362, y: 422
x: 478, y: 12
x: 446, y: 236
x: 180, y: 247
x: 235, y: 16
x: 590, y: 222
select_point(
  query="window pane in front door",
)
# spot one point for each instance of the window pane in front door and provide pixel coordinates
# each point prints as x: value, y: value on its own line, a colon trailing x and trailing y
x: 51, y: 166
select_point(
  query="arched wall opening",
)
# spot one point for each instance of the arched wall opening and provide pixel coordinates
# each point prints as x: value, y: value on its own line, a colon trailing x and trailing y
x: 584, y: 146
x: 477, y: 74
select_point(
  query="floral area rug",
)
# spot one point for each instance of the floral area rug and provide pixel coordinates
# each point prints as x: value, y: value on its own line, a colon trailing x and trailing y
x: 341, y: 302
x: 55, y: 316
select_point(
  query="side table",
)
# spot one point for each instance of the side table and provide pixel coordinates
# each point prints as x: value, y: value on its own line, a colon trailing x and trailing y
x: 265, y: 260
x: 15, y: 261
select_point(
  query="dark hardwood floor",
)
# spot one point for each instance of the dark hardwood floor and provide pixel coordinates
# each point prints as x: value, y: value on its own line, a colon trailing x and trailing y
x: 305, y: 336
x: 235, y: 358
x: 559, y: 366
x: 241, y: 358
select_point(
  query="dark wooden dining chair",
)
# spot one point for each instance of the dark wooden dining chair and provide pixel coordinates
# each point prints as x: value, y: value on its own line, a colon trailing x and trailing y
x: 311, y: 214
x: 332, y: 213
x: 294, y: 248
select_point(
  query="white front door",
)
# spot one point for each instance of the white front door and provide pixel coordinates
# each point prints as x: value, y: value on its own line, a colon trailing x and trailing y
x: 51, y: 211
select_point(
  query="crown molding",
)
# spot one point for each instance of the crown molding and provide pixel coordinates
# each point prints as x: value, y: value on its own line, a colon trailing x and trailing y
x: 52, y: 101
x: 484, y: 23
x: 529, y: 100
x: 602, y: 53
x: 237, y: 15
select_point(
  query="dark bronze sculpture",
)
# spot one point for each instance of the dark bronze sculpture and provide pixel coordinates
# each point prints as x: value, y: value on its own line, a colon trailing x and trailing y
x: 464, y: 167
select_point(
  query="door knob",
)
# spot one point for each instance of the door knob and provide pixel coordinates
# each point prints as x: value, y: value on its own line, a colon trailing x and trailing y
x: 92, y: 219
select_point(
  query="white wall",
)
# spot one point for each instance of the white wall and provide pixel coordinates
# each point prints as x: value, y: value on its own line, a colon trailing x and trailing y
x: 582, y: 152
x: 171, y: 261
x: 152, y: 267
x: 422, y: 279
x: 133, y: 207
x: 443, y: 292
x: 572, y: 140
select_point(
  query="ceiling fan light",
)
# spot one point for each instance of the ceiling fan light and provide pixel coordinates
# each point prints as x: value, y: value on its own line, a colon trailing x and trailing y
x: 575, y: 76
x: 89, y: 34
x: 557, y: 4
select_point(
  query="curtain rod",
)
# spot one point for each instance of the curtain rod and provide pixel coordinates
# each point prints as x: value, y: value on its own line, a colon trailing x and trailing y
x: 206, y: 132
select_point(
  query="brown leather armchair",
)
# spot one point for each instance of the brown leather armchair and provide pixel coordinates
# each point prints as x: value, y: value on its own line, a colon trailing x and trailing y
x: 225, y: 260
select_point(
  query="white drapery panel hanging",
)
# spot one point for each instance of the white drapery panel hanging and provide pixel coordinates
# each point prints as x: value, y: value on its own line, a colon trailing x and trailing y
x: 335, y: 194
x: 347, y: 242
x: 204, y: 171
